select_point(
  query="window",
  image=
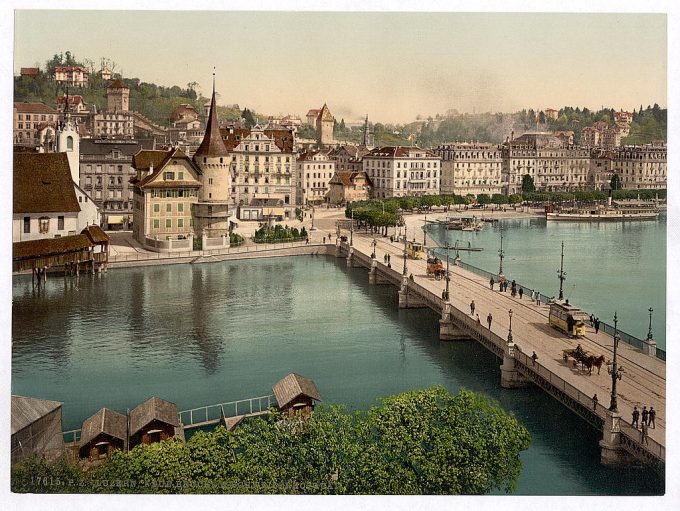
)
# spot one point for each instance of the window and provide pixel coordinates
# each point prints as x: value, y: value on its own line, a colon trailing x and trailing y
x: 60, y: 223
x: 44, y: 224
x: 168, y: 208
x: 69, y: 143
x: 180, y: 207
x: 168, y: 176
x: 180, y: 175
x: 156, y: 224
x: 180, y: 222
x: 27, y: 224
x: 156, y: 208
x: 168, y: 223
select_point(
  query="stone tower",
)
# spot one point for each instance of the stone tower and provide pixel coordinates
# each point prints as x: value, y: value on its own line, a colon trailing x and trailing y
x: 324, y: 126
x: 68, y: 141
x: 118, y: 97
x: 211, y: 213
x: 367, y: 139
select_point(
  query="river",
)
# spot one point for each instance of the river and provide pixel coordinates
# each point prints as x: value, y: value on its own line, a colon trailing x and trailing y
x: 203, y: 334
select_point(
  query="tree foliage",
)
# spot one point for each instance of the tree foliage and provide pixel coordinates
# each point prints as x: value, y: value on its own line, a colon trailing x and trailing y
x: 528, y: 183
x: 419, y: 442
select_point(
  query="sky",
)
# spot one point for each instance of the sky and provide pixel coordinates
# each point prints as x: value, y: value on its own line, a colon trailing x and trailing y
x: 392, y: 66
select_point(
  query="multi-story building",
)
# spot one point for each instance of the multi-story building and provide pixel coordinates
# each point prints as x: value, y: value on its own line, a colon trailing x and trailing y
x: 623, y: 117
x: 166, y: 188
x: 116, y: 121
x: 551, y: 113
x: 348, y: 157
x: 551, y: 164
x: 34, y: 124
x: 262, y: 165
x: 401, y: 171
x: 590, y: 137
x: 105, y: 173
x: 470, y: 168
x: 75, y: 76
x: 349, y: 186
x: 610, y: 138
x: 641, y: 167
x: 323, y: 122
x: 314, y: 170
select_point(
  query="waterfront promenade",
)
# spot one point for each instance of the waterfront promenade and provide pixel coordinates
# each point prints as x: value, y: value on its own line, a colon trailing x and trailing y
x: 644, y: 377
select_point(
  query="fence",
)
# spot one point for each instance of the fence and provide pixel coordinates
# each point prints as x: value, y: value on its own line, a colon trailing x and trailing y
x: 213, y: 413
x: 605, y: 327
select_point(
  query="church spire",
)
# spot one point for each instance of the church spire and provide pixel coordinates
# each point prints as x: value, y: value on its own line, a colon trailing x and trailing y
x: 212, y: 144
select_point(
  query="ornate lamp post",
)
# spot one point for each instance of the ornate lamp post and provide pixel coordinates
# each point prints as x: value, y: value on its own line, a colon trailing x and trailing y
x: 649, y: 332
x: 501, y: 255
x: 561, y: 274
x: 351, y: 230
x: 425, y: 231
x: 405, y: 272
x: 510, y: 328
x: 615, y: 371
x: 448, y: 277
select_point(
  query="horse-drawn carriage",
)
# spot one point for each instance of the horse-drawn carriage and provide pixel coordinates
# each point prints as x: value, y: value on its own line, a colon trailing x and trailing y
x: 435, y: 267
x: 586, y: 359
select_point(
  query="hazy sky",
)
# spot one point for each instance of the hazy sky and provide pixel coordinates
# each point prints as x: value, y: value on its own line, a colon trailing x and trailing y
x: 392, y: 66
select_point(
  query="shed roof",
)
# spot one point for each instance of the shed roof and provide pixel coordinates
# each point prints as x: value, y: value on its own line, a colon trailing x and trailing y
x: 118, y: 84
x: 27, y: 410
x: 153, y: 408
x: 49, y: 246
x: 104, y: 421
x: 33, y: 108
x: 95, y: 234
x: 43, y: 184
x: 293, y: 386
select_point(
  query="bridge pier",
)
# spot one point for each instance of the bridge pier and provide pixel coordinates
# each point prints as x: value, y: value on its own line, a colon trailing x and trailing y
x: 350, y: 258
x: 510, y: 377
x: 409, y: 300
x: 612, y: 452
x: 448, y: 330
x: 374, y: 277
x: 338, y: 248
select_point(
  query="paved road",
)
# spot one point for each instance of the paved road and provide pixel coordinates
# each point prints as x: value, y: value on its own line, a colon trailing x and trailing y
x: 644, y: 380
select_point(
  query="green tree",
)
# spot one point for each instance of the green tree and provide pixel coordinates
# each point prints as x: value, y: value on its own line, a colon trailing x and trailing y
x: 515, y: 198
x: 247, y: 116
x: 528, y: 183
x: 615, y: 183
x: 483, y: 198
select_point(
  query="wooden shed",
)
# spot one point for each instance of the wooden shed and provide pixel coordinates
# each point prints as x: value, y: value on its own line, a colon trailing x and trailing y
x: 296, y: 393
x: 152, y: 421
x: 105, y: 431
x: 36, y: 428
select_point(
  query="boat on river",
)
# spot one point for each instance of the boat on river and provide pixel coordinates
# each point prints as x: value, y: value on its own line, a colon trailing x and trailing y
x: 612, y: 211
x: 462, y: 224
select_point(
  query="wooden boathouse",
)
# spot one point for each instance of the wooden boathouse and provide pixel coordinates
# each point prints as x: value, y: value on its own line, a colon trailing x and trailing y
x: 152, y: 421
x: 295, y: 393
x: 105, y: 431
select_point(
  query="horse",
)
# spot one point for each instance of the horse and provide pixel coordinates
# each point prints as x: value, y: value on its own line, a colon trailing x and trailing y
x: 590, y: 361
x: 597, y: 362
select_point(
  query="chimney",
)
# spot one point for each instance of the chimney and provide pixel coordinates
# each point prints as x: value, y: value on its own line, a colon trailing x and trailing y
x: 512, y: 135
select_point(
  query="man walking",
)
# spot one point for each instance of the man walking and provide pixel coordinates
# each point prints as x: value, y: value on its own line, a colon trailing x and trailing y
x: 534, y: 357
x: 595, y: 402
x: 645, y: 416
x: 491, y: 283
x: 636, y: 417
x: 597, y: 325
x: 489, y: 319
x: 521, y: 292
x: 643, y: 434
x: 652, y: 417
x: 472, y: 308
x: 538, y: 298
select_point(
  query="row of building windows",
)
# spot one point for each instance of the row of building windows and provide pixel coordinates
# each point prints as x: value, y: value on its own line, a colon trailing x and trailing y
x: 43, y: 224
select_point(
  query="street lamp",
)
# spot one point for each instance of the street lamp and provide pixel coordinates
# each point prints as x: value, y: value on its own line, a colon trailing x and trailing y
x: 425, y: 231
x: 351, y: 229
x: 312, y: 228
x: 501, y: 255
x: 561, y: 274
x: 649, y: 333
x: 510, y: 328
x: 448, y: 278
x: 405, y: 271
x: 615, y: 371
x: 374, y: 244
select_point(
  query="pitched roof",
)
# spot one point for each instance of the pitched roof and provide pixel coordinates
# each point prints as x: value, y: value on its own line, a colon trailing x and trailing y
x: 95, y: 234
x: 71, y: 68
x: 314, y: 112
x: 293, y: 386
x: 92, y: 146
x: 153, y: 408
x: 43, y: 184
x: 146, y: 158
x: 212, y: 143
x: 49, y: 246
x: 117, y: 84
x: 29, y: 71
x: 159, y: 159
x: 283, y: 138
x: 104, y: 421
x: 27, y: 410
x: 398, y: 152
x: 24, y: 107
x: 325, y: 113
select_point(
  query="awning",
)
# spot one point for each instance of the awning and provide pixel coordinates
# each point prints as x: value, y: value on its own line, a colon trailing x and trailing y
x: 272, y: 211
x: 115, y: 219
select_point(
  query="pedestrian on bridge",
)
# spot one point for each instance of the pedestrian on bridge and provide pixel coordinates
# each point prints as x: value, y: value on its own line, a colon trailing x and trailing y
x: 645, y: 416
x: 489, y: 319
x: 324, y: 240
x: 478, y: 322
x: 534, y: 357
x: 595, y: 402
x: 389, y: 259
x: 636, y: 417
x: 385, y: 259
x: 597, y: 325
x: 644, y: 434
x: 652, y: 417
x: 472, y: 308
x: 521, y: 292
x: 491, y: 283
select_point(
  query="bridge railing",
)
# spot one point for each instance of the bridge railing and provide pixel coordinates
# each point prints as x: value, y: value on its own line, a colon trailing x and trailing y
x: 605, y: 327
x: 72, y: 436
x: 634, y: 435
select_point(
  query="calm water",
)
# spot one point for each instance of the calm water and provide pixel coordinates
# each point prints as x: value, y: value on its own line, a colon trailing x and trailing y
x: 202, y: 334
x: 610, y: 266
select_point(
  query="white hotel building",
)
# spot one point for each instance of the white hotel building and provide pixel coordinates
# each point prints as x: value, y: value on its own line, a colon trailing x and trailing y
x: 402, y: 171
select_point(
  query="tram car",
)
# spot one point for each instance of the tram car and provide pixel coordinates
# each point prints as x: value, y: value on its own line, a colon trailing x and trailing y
x: 567, y: 318
x: 414, y: 250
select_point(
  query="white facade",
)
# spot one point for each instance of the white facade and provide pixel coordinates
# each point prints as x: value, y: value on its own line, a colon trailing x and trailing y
x: 314, y: 170
x: 470, y: 168
x: 37, y: 226
x: 403, y: 171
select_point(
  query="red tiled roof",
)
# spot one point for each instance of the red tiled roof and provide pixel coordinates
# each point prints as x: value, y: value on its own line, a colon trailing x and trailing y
x: 144, y: 159
x: 33, y: 108
x: 43, y: 184
x: 66, y: 69
x: 29, y: 71
x: 117, y: 84
x: 283, y: 138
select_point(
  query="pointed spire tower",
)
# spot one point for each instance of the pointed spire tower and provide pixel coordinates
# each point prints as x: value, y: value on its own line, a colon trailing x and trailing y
x: 212, y: 144
x: 68, y: 141
x: 211, y: 213
x: 366, y: 141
